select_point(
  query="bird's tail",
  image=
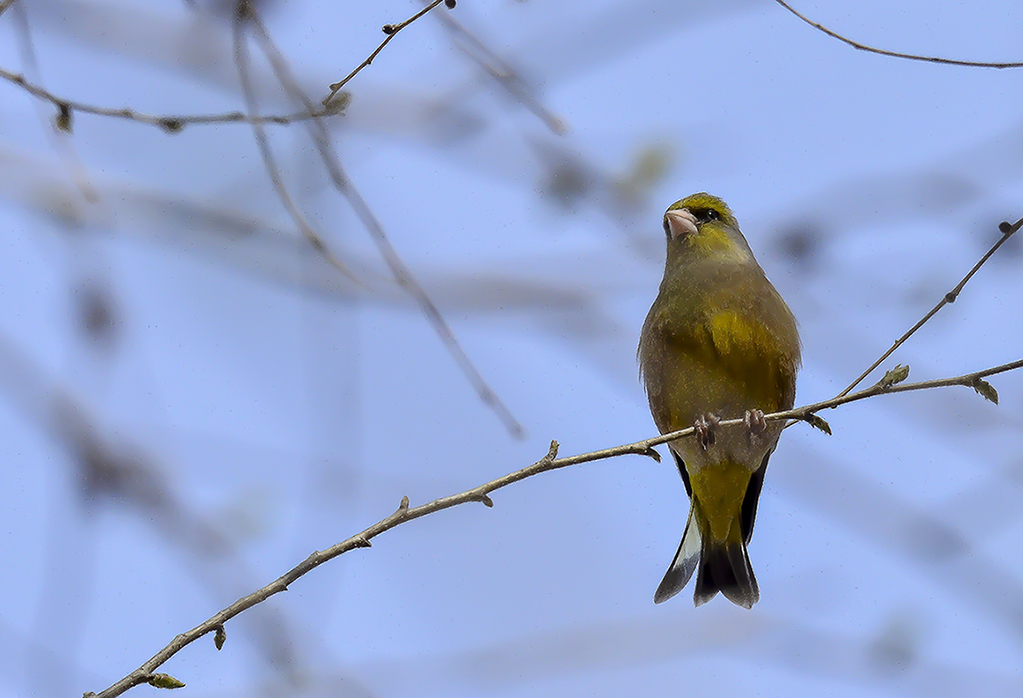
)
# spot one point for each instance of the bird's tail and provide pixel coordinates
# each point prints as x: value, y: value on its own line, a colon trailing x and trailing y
x: 725, y: 567
x: 684, y: 564
x: 723, y: 506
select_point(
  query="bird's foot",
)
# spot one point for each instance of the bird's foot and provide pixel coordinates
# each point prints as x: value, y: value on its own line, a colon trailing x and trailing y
x: 756, y: 425
x: 704, y: 427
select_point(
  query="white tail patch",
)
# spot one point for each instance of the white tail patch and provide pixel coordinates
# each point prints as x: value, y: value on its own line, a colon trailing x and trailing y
x: 684, y: 564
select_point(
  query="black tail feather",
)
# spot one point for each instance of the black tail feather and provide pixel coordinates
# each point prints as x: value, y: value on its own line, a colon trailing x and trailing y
x: 725, y: 567
x: 748, y: 515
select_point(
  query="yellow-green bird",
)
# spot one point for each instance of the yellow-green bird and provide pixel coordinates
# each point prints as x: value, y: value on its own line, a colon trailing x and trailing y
x: 718, y: 343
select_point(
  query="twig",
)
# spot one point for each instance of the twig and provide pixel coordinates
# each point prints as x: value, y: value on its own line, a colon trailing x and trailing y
x: 404, y: 513
x: 63, y: 121
x: 402, y: 274
x: 332, y: 105
x: 502, y: 72
x: 895, y: 54
x: 174, y: 123
x: 169, y: 122
x: 1007, y: 229
x: 273, y: 171
x: 391, y: 30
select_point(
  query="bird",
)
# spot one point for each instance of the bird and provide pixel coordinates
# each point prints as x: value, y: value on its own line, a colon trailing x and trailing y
x: 718, y: 343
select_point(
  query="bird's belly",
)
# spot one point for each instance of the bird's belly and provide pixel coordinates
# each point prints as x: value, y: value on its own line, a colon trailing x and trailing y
x: 719, y: 395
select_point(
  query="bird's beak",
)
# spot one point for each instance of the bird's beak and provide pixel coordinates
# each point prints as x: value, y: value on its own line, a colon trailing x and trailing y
x: 681, y: 223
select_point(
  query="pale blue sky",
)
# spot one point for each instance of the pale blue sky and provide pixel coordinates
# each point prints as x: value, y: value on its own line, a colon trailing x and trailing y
x: 266, y: 408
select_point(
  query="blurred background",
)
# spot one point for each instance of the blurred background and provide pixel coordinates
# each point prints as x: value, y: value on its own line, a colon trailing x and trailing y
x: 193, y: 400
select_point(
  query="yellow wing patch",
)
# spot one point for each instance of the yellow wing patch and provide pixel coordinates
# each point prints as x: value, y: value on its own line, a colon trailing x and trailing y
x: 732, y: 333
x: 753, y: 356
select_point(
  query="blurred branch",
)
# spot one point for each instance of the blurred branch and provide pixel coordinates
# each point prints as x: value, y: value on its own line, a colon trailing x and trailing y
x: 391, y: 30
x: 405, y: 513
x: 502, y: 72
x: 168, y: 122
x: 107, y: 466
x: 60, y: 135
x: 1007, y: 229
x: 241, y: 59
x: 402, y: 274
x: 332, y: 104
x: 895, y: 54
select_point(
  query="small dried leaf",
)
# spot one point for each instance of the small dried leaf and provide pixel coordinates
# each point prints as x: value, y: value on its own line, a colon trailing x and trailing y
x: 172, y: 125
x: 894, y: 376
x: 63, y: 119
x: 818, y: 423
x: 338, y: 103
x: 986, y: 390
x: 164, y: 681
x: 219, y: 637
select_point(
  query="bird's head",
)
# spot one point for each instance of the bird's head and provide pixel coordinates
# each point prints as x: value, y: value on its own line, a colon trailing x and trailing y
x: 702, y: 227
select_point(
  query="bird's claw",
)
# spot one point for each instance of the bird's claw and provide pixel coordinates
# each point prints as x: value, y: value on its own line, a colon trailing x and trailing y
x: 755, y: 423
x: 704, y: 427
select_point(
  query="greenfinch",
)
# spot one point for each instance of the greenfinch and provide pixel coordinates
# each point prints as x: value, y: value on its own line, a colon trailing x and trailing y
x: 718, y: 343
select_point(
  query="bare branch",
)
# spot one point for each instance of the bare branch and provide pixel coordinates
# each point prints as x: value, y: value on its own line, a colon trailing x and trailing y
x: 550, y: 461
x: 1007, y: 229
x: 171, y: 123
x: 391, y: 30
x: 241, y: 58
x: 401, y: 272
x: 502, y: 72
x: 895, y: 54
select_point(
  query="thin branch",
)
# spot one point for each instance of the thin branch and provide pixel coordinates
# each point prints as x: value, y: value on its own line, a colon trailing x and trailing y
x: 62, y: 122
x: 1007, y: 229
x: 332, y: 104
x: 502, y: 72
x: 391, y: 30
x: 241, y: 58
x: 895, y: 54
x: 401, y: 272
x: 168, y: 122
x: 405, y: 513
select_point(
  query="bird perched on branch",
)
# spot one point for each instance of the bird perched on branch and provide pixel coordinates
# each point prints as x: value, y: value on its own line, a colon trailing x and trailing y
x: 718, y: 343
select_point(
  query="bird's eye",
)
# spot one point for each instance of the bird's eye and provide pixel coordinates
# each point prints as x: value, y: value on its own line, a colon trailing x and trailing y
x: 667, y: 229
x: 705, y: 214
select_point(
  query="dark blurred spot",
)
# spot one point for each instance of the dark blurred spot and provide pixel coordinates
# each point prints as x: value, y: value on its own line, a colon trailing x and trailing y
x: 935, y: 543
x: 109, y: 474
x: 896, y: 646
x: 800, y: 243
x: 566, y: 184
x: 449, y: 125
x: 96, y: 312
